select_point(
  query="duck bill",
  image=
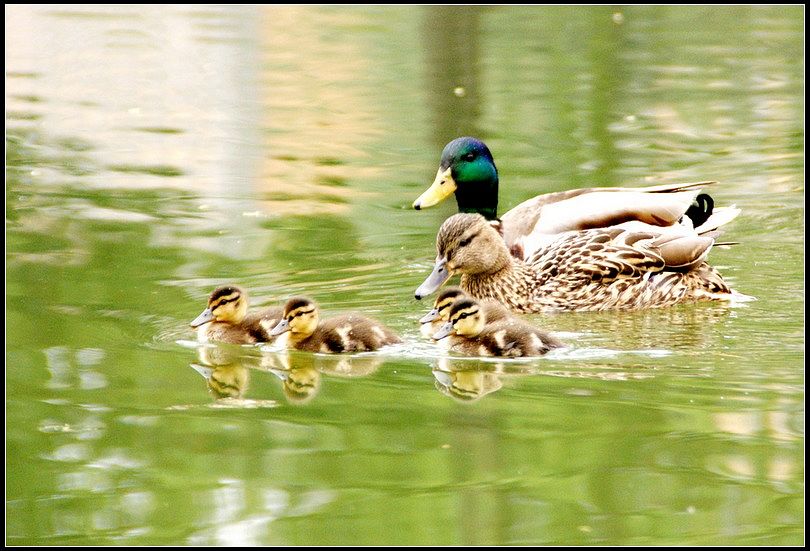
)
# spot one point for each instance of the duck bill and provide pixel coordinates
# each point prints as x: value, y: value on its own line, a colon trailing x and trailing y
x: 443, y: 332
x: 436, y: 279
x: 430, y: 316
x: 282, y: 327
x: 206, y: 316
x: 442, y: 188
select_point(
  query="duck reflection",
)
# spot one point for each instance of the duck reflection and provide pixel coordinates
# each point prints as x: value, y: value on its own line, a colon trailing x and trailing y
x: 468, y: 380
x: 300, y: 372
x: 224, y: 370
x: 225, y: 381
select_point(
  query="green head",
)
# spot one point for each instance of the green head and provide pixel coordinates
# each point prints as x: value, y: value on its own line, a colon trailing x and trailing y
x: 466, y: 168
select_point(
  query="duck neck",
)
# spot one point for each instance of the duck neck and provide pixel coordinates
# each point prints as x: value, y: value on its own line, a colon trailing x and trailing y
x: 479, y: 197
x: 513, y: 285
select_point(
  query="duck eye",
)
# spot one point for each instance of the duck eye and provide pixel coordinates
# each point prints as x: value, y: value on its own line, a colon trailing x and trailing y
x: 465, y: 242
x: 469, y: 157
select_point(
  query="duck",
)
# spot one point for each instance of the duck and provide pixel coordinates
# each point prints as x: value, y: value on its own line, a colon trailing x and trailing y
x: 589, y: 270
x: 438, y: 315
x: 467, y: 169
x: 226, y: 319
x: 470, y: 334
x: 347, y: 333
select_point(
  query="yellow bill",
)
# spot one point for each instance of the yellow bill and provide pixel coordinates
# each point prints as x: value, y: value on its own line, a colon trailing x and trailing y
x: 443, y: 186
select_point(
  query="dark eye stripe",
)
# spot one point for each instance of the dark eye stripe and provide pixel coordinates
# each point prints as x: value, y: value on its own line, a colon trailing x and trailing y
x: 300, y: 313
x: 225, y: 301
x: 465, y: 315
x: 467, y: 240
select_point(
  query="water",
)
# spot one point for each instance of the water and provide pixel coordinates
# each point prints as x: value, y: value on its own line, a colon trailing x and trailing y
x: 154, y: 153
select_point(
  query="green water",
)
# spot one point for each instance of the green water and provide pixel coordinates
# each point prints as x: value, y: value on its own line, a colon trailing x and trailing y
x: 155, y: 153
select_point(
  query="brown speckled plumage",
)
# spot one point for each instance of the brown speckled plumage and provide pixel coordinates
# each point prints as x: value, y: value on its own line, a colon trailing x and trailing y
x: 348, y: 333
x: 510, y: 339
x: 588, y: 270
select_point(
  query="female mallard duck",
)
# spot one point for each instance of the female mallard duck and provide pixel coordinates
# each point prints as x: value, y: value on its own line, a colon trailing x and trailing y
x: 587, y: 270
x: 467, y: 169
x: 470, y: 334
x: 347, y: 333
x: 438, y: 316
x: 225, y: 318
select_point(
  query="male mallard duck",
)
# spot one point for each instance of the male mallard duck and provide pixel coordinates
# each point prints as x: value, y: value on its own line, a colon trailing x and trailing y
x: 347, y: 333
x: 470, y: 334
x: 467, y: 169
x: 225, y: 318
x: 438, y: 316
x: 585, y: 270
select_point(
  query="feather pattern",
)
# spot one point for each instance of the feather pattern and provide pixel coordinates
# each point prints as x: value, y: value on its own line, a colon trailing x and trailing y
x: 589, y: 270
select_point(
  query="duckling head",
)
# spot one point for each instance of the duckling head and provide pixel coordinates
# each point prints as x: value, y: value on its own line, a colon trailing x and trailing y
x: 466, y: 244
x: 227, y: 304
x: 465, y: 319
x: 300, y: 318
x: 468, y: 170
x: 441, y: 307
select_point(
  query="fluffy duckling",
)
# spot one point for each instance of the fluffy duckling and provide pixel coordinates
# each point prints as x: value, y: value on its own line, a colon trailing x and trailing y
x: 225, y: 318
x: 347, y: 333
x: 438, y: 316
x: 588, y: 270
x: 470, y: 334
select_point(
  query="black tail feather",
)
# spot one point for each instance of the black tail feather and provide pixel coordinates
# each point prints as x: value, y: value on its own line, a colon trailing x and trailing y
x: 700, y: 210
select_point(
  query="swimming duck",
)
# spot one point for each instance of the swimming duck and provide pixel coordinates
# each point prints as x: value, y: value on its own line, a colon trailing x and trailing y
x: 225, y: 318
x: 587, y: 270
x: 470, y: 334
x: 438, y: 316
x: 467, y: 169
x: 347, y: 333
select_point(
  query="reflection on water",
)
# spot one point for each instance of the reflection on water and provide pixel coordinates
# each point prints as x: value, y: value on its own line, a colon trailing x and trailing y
x: 153, y: 153
x: 227, y: 369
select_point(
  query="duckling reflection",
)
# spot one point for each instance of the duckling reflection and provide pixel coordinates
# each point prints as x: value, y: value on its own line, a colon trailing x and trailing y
x: 225, y: 380
x: 300, y: 373
x: 468, y: 380
x: 466, y: 386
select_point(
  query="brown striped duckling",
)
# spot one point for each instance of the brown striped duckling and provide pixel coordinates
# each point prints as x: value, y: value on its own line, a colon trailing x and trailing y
x: 438, y: 316
x: 471, y: 335
x: 225, y: 318
x: 346, y: 333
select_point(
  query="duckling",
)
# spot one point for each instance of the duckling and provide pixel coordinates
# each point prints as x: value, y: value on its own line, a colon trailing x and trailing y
x: 470, y: 334
x: 438, y: 316
x: 225, y: 318
x: 347, y: 333
x: 467, y: 169
x: 589, y: 270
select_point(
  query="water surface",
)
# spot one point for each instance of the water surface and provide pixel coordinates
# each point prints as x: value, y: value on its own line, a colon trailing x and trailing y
x: 154, y: 153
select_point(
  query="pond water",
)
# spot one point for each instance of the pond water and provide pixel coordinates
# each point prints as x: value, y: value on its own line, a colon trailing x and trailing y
x: 155, y: 153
